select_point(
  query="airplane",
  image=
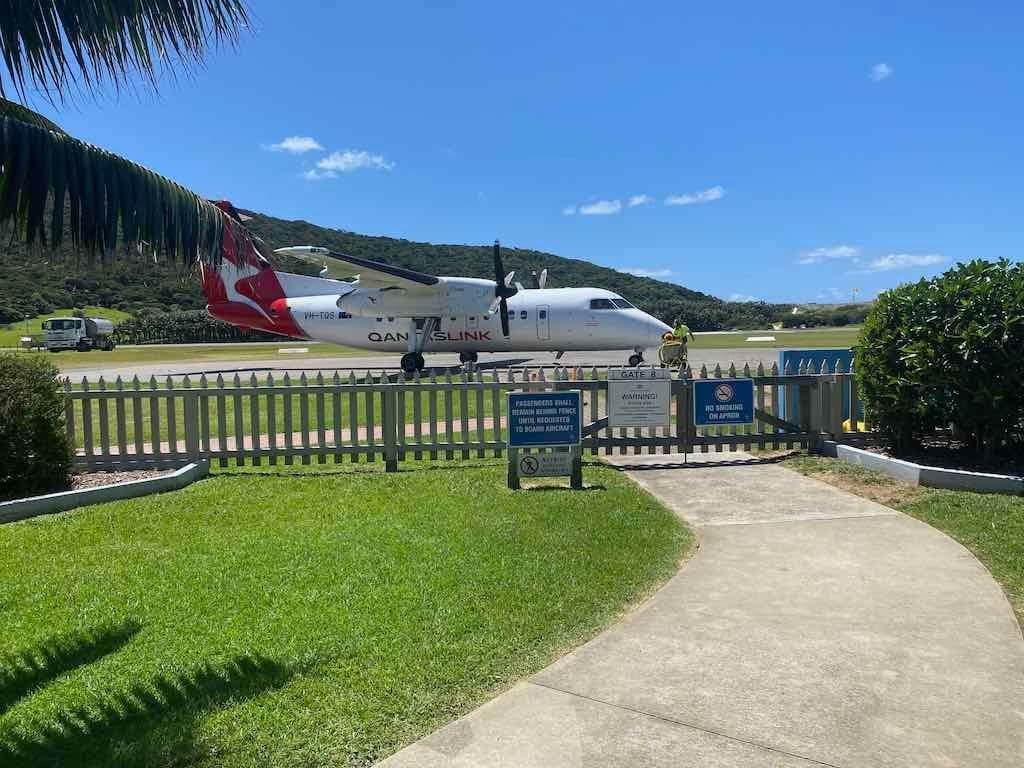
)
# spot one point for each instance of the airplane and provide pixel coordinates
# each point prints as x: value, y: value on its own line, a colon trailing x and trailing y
x: 386, y: 308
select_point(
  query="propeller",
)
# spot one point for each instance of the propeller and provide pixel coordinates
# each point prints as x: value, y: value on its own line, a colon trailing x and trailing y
x: 539, y: 281
x: 503, y: 289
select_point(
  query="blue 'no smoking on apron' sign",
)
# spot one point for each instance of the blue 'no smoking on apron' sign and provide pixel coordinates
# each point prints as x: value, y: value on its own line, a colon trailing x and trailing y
x: 723, y: 401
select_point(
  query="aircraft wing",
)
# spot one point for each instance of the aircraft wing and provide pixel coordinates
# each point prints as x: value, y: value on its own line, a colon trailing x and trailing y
x: 371, y: 274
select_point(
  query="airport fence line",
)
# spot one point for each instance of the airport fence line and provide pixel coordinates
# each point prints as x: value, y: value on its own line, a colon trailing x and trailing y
x: 392, y: 417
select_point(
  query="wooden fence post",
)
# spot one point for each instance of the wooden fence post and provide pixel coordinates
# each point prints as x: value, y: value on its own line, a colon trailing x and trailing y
x: 389, y: 405
x: 191, y: 418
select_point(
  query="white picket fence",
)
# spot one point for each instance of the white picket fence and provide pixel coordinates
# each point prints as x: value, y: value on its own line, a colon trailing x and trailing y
x: 391, y: 417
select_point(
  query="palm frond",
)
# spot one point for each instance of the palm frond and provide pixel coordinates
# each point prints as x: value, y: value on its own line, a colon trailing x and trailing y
x: 101, y: 200
x: 60, y: 45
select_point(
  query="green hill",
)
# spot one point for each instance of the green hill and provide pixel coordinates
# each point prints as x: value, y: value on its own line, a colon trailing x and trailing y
x: 35, y: 284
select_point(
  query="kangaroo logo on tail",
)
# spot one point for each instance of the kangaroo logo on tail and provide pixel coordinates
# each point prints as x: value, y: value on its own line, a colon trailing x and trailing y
x: 244, y: 289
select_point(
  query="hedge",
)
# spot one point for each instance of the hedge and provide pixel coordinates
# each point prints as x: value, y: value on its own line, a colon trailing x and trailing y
x: 948, y: 352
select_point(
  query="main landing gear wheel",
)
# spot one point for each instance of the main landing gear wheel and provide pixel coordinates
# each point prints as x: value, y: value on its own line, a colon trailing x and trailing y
x: 635, y: 360
x: 412, y: 362
x: 467, y: 357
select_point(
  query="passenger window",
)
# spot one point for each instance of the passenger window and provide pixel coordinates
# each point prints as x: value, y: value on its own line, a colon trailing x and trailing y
x: 542, y: 314
x: 601, y: 304
x: 522, y: 315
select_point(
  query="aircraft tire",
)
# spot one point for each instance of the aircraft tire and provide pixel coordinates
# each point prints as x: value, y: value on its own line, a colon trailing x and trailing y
x: 411, y: 362
x: 467, y: 357
x: 635, y: 360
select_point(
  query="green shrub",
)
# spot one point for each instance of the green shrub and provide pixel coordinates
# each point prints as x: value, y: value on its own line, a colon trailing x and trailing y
x: 948, y: 351
x: 35, y: 455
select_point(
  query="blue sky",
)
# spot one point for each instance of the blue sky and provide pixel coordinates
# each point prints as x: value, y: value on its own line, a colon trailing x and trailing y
x: 788, y: 151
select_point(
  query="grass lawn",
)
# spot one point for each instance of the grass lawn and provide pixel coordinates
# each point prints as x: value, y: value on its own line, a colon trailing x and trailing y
x: 69, y: 360
x: 304, y: 618
x: 10, y: 335
x: 990, y: 525
x: 799, y: 339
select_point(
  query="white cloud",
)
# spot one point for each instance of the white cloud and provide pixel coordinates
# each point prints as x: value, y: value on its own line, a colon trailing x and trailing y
x: 601, y: 208
x: 904, y: 261
x: 818, y: 255
x: 742, y: 297
x: 636, y: 200
x: 314, y: 175
x: 296, y: 145
x: 352, y: 160
x: 881, y: 72
x: 641, y: 272
x: 704, y: 196
x: 569, y: 210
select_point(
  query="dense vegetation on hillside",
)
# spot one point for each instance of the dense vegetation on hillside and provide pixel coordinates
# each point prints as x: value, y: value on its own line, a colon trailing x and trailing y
x: 34, y: 285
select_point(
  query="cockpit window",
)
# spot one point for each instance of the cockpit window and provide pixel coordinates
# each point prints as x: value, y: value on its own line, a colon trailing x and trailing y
x: 601, y: 304
x: 622, y: 304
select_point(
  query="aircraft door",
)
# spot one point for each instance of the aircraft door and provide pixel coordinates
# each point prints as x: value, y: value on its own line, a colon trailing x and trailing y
x: 543, y: 322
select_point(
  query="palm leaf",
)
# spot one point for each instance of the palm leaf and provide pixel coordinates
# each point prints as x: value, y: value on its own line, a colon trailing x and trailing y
x: 111, y: 202
x: 58, y: 46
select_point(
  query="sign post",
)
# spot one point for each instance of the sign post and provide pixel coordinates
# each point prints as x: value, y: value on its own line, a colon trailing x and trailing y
x: 639, y: 397
x: 723, y: 402
x: 545, y: 420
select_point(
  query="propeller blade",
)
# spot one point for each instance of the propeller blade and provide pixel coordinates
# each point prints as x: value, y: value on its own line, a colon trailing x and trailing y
x: 499, y: 268
x: 494, y: 305
x: 504, y: 318
x: 542, y: 281
x: 508, y: 278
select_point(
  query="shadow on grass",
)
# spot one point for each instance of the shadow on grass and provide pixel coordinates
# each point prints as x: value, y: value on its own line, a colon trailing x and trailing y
x: 281, y: 470
x: 151, y: 724
x: 699, y: 464
x: 27, y: 670
x: 542, y: 488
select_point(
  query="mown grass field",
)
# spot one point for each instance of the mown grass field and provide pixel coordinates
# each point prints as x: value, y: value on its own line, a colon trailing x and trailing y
x: 69, y: 360
x: 11, y: 334
x: 811, y: 338
x: 991, y: 525
x: 304, y: 618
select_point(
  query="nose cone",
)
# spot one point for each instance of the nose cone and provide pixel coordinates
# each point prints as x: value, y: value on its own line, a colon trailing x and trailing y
x: 657, y: 329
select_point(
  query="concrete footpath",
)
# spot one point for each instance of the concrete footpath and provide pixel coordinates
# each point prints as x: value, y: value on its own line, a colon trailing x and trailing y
x: 811, y: 628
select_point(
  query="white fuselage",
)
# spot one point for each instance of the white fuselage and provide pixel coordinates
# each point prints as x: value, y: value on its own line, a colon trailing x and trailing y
x: 557, y: 319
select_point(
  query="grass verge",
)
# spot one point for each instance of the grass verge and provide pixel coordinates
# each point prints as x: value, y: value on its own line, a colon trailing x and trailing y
x: 800, y: 339
x: 990, y: 525
x: 69, y: 360
x: 305, y: 617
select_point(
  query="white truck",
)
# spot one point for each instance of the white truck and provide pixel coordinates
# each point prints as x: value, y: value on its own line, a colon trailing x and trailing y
x: 81, y: 333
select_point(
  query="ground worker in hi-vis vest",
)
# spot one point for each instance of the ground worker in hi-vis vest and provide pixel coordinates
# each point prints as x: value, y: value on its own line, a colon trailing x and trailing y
x: 673, y: 348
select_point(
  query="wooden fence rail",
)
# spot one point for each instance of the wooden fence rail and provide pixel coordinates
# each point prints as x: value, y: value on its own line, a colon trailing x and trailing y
x: 390, y: 418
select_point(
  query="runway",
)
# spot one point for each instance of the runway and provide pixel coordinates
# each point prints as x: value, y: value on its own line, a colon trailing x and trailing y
x: 441, y: 363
